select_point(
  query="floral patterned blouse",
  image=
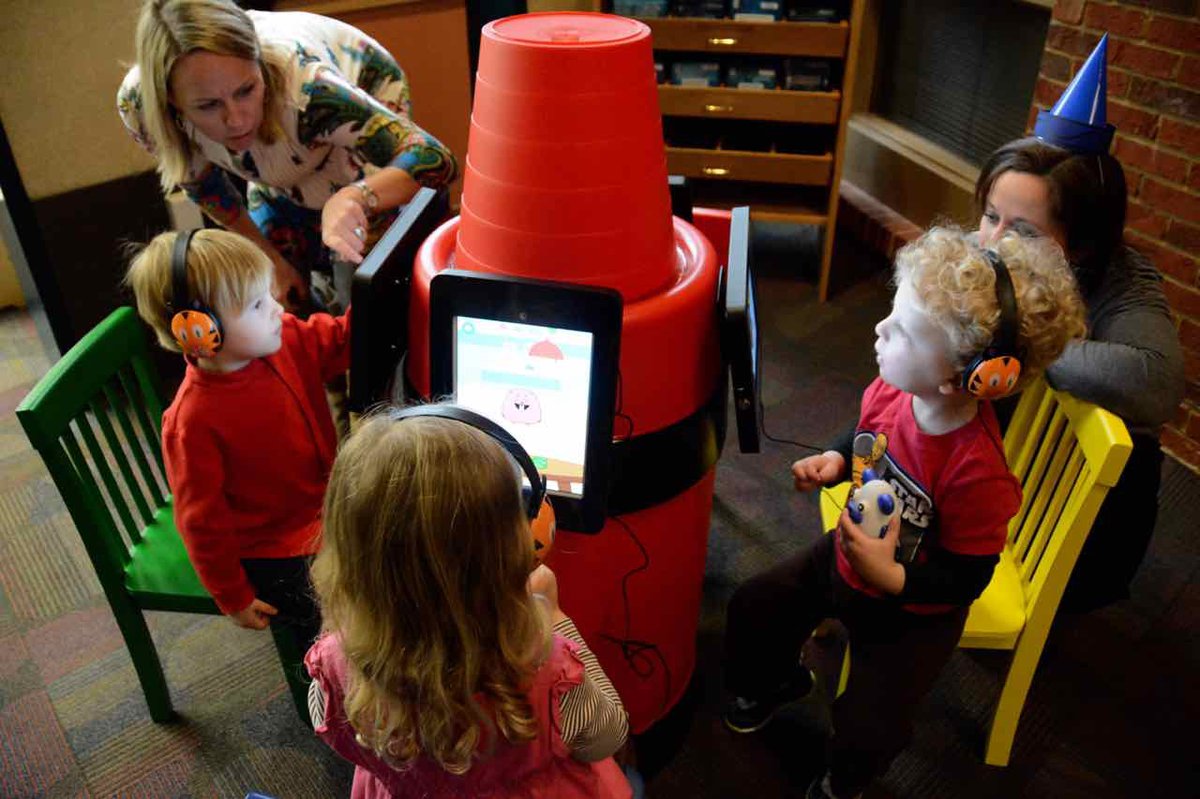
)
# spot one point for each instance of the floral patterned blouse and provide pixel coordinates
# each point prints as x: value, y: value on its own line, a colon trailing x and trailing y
x: 348, y: 107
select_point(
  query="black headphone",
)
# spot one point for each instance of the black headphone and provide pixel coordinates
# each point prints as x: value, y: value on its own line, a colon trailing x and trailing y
x: 537, y: 504
x: 994, y: 372
x: 196, y: 328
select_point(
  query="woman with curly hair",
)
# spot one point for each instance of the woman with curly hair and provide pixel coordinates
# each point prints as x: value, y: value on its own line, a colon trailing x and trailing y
x: 449, y: 669
x: 310, y: 112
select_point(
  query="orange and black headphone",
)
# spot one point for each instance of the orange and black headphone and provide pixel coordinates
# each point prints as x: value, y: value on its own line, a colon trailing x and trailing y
x: 994, y: 372
x: 537, y: 504
x: 197, y: 329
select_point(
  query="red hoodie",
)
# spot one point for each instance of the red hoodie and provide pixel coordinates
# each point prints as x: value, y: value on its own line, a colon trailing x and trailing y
x: 248, y: 454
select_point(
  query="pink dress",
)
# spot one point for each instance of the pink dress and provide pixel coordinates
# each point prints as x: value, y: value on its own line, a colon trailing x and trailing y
x: 540, y: 769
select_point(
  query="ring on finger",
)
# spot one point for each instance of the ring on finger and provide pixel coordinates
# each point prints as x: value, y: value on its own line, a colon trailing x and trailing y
x: 358, y: 231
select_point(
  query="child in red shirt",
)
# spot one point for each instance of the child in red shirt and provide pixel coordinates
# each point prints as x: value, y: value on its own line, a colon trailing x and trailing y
x: 925, y: 429
x: 248, y: 441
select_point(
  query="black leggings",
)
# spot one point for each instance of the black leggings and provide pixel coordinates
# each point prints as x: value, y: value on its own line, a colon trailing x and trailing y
x: 284, y: 583
x: 1117, y: 543
x: 895, y: 658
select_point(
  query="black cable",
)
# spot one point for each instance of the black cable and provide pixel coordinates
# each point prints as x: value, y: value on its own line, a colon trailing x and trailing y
x: 637, y: 653
x: 762, y: 414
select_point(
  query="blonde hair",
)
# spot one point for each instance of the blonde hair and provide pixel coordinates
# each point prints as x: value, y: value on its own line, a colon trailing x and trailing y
x: 224, y: 272
x: 955, y: 285
x: 423, y: 573
x: 167, y: 30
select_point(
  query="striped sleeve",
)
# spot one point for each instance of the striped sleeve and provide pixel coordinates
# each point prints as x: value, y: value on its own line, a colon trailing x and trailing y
x: 594, y: 723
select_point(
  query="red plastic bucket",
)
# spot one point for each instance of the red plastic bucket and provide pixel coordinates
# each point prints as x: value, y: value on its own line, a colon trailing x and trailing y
x: 565, y: 175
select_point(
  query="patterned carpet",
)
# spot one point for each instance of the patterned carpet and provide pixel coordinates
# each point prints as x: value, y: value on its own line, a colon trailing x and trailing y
x: 1113, y: 703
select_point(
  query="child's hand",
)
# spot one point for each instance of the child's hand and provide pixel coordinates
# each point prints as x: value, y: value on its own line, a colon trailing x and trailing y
x: 543, y: 583
x: 255, y: 616
x: 874, y: 559
x: 818, y: 470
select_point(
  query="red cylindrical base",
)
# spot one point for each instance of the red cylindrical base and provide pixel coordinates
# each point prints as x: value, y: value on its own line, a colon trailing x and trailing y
x: 634, y: 592
x: 634, y: 588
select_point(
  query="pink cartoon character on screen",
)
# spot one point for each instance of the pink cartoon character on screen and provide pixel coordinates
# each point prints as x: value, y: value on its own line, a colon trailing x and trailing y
x: 521, y: 406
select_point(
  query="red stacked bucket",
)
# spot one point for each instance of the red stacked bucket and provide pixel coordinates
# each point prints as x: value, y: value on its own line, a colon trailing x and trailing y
x: 565, y: 173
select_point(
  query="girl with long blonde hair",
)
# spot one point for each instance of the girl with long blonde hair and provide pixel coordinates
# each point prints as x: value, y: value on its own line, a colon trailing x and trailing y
x: 448, y: 669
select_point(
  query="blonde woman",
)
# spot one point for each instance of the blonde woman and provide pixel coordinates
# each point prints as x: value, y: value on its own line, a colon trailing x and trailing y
x: 448, y: 669
x: 313, y: 114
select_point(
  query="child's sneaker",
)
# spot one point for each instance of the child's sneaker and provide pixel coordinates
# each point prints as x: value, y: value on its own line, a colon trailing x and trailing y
x: 749, y: 715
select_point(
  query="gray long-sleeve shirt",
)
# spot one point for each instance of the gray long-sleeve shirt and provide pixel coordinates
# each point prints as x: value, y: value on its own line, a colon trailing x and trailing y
x: 1131, y: 362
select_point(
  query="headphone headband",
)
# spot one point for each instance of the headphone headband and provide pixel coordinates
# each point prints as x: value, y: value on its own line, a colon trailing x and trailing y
x: 994, y: 372
x: 493, y: 431
x: 180, y: 301
x: 197, y: 330
x: 1004, y: 340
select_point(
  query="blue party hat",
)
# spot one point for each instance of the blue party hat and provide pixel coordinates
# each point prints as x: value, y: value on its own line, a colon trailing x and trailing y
x: 1077, y: 121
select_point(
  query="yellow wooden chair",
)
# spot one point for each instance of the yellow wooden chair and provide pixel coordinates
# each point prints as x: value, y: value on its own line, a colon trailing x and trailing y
x: 1067, y: 454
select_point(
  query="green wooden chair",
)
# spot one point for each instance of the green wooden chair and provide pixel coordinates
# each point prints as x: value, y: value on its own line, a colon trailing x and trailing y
x: 115, y: 489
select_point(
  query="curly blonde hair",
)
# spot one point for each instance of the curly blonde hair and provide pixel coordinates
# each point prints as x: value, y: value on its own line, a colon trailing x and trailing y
x: 955, y: 285
x: 224, y: 271
x: 167, y: 30
x: 423, y: 574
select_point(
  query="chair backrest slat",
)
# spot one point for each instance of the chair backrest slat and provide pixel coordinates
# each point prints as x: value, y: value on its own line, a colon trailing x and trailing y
x: 1066, y: 453
x: 141, y: 386
x: 120, y: 452
x: 1038, y: 458
x: 1035, y: 407
x: 1069, y: 482
x: 82, y: 496
x: 100, y: 464
x: 136, y: 449
x: 1051, y: 460
x: 149, y: 428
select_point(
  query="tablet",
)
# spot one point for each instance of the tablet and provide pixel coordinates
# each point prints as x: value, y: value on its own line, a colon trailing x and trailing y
x: 739, y: 332
x: 379, y: 297
x: 540, y: 359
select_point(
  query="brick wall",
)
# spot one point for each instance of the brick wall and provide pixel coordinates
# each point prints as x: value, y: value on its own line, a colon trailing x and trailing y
x: 1154, y: 100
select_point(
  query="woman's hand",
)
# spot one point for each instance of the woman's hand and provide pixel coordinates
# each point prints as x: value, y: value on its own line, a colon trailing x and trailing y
x: 873, y: 559
x: 543, y: 583
x: 344, y: 225
x: 255, y: 616
x: 818, y: 470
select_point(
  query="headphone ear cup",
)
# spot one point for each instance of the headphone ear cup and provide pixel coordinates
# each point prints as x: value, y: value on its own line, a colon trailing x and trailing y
x: 991, y: 378
x: 197, y: 332
x: 543, y: 528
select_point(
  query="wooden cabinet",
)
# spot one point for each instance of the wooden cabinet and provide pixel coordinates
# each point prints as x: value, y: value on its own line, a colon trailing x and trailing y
x: 778, y: 185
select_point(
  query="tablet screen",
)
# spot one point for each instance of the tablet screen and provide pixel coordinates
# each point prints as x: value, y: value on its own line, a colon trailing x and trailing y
x: 535, y: 381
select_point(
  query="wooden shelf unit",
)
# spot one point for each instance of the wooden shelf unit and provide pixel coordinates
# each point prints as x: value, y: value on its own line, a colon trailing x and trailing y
x: 766, y: 181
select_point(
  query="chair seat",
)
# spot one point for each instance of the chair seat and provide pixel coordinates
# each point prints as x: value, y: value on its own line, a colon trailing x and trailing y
x: 160, y: 575
x: 997, y: 617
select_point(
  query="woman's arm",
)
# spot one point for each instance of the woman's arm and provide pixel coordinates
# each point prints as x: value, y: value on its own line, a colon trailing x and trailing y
x: 407, y: 157
x: 222, y: 203
x: 1135, y: 371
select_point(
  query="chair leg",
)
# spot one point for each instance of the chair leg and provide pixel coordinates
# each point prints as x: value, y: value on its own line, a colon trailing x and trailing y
x: 844, y: 676
x: 1011, y: 703
x: 141, y: 648
x: 292, y: 661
